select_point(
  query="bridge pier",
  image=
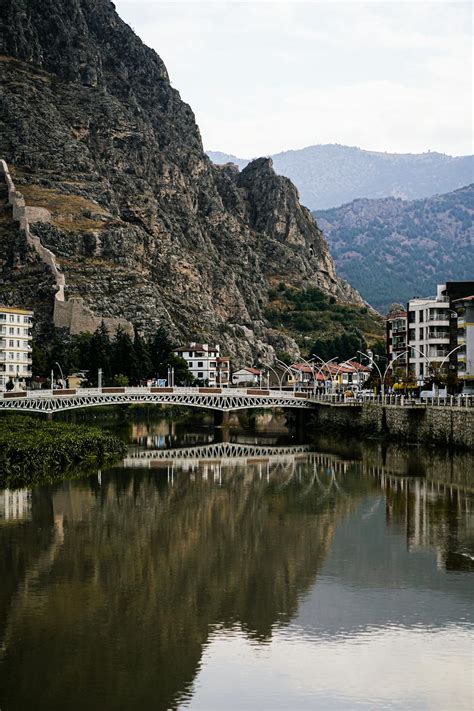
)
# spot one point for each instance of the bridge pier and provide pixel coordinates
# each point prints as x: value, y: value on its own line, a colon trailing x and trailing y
x: 221, y: 418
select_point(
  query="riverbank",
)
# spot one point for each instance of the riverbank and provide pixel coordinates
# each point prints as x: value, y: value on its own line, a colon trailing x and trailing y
x: 446, y: 426
x: 33, y: 451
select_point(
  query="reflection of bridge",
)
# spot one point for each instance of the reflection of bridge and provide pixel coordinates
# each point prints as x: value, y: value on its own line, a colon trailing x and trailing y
x: 221, y: 399
x: 230, y: 453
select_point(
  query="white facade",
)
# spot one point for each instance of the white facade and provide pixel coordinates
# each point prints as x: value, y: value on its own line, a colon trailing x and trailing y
x: 15, y: 345
x: 247, y: 376
x: 205, y: 363
x: 465, y: 339
x: 429, y: 333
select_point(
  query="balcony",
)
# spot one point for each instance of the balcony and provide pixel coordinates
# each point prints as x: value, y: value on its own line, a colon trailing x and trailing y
x: 439, y: 336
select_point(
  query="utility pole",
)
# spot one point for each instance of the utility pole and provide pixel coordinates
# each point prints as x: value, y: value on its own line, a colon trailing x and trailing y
x: 99, y: 378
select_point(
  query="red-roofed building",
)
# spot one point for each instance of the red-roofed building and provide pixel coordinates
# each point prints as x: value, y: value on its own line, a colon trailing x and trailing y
x: 247, y: 376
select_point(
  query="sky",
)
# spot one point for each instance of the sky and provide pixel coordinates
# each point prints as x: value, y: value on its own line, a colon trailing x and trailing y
x: 264, y: 77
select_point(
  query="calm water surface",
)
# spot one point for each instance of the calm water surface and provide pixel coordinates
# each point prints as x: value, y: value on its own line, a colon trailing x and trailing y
x: 252, y: 573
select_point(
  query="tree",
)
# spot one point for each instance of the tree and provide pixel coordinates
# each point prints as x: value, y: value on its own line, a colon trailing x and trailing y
x: 141, y: 364
x: 99, y: 354
x: 123, y: 359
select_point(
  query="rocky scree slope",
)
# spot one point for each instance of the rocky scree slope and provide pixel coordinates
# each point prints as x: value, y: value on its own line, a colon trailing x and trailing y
x: 330, y: 175
x: 393, y: 250
x: 141, y: 222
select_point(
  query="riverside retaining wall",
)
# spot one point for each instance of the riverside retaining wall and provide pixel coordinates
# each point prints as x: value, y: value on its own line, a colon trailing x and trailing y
x: 452, y: 426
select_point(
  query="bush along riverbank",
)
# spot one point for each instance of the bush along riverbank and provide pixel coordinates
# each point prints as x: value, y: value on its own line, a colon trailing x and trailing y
x: 33, y: 451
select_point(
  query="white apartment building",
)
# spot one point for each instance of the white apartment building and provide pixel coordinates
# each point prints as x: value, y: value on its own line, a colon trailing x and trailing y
x: 465, y: 340
x: 205, y: 362
x: 429, y: 333
x: 15, y: 345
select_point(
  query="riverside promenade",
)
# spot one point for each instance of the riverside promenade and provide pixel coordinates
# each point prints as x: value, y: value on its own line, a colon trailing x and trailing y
x: 447, y: 421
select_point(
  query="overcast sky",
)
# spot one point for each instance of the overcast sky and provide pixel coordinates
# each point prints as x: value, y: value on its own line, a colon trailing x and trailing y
x: 263, y: 77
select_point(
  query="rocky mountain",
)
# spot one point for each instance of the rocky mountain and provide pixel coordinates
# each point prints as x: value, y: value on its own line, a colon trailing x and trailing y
x: 330, y: 175
x: 141, y: 224
x: 393, y: 250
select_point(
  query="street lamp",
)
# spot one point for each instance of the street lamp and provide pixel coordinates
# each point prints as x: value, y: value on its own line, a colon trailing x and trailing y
x: 325, y: 363
x: 312, y: 365
x: 372, y: 361
x: 280, y: 380
x: 60, y: 370
x: 288, y: 369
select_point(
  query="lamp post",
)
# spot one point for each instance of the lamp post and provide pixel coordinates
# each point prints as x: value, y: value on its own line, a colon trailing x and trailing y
x: 60, y: 370
x: 346, y: 362
x: 278, y: 377
x: 372, y: 361
x: 312, y: 366
x: 414, y: 348
x: 390, y: 365
x: 325, y: 363
x: 288, y: 369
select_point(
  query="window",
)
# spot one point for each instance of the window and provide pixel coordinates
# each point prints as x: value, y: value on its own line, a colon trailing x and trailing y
x: 3, y: 317
x: 212, y: 365
x: 200, y: 365
x: 190, y: 355
x: 11, y: 343
x: 420, y: 337
x: 11, y: 331
x: 200, y: 375
x: 12, y: 318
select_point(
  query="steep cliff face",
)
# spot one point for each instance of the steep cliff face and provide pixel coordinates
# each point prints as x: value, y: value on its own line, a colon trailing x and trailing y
x: 143, y: 225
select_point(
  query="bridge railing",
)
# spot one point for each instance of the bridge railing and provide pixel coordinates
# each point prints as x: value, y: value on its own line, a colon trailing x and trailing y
x: 139, y: 390
x: 395, y: 400
x: 466, y: 401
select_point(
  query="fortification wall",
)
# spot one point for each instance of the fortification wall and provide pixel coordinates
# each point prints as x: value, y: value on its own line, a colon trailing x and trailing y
x: 72, y: 314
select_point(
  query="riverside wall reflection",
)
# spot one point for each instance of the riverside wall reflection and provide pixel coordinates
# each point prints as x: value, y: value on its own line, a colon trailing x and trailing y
x: 117, y: 582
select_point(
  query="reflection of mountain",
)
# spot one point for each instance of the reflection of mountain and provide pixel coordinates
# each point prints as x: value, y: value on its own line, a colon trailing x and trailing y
x: 116, y: 588
x: 143, y: 571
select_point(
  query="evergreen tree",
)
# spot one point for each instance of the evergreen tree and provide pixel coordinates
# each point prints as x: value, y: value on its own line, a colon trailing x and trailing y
x: 99, y: 354
x: 141, y: 366
x: 123, y: 360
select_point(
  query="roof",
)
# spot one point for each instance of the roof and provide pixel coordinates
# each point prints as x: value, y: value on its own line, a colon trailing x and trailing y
x: 252, y: 371
x: 196, y: 347
x: 394, y: 317
x: 15, y: 310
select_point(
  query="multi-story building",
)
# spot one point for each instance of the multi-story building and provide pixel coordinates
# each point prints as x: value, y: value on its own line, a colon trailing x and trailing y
x: 465, y: 341
x: 432, y: 330
x: 15, y: 345
x: 396, y: 335
x: 205, y: 362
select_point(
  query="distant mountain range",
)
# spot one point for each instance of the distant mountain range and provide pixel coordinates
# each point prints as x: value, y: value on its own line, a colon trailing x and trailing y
x: 392, y: 250
x: 331, y: 175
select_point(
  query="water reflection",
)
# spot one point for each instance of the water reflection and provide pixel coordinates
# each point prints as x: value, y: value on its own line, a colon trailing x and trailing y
x: 298, y: 575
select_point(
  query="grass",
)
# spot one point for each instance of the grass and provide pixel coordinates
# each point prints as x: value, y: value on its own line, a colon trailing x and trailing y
x: 310, y: 314
x: 33, y: 451
x: 68, y: 212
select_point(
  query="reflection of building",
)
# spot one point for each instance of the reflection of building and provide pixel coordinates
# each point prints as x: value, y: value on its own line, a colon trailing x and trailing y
x: 15, y: 505
x: 15, y: 344
x: 434, y: 516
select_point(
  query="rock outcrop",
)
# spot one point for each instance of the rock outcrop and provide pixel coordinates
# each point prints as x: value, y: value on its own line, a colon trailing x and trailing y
x: 142, y: 224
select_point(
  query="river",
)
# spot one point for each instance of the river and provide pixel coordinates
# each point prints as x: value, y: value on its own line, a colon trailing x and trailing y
x: 241, y: 569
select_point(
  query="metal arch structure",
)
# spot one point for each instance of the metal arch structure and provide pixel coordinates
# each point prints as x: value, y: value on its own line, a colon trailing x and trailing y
x: 223, y: 400
x: 220, y: 451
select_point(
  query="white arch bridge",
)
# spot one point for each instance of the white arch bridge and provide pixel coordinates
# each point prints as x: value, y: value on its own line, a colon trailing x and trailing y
x: 219, y: 399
